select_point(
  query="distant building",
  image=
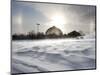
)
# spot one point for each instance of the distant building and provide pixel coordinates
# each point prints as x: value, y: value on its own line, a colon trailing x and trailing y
x: 54, y: 31
x: 74, y: 34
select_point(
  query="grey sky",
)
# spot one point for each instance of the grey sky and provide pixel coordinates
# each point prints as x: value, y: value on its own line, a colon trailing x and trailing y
x: 25, y: 16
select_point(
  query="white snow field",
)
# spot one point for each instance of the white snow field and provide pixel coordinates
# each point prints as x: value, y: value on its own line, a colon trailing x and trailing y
x: 53, y: 55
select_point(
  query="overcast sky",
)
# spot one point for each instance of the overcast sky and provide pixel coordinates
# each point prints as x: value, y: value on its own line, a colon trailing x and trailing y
x: 25, y: 16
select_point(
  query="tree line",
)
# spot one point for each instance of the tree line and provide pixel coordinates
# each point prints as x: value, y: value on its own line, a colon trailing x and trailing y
x: 31, y: 35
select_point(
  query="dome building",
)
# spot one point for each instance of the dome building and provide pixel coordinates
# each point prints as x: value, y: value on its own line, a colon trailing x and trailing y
x: 54, y: 31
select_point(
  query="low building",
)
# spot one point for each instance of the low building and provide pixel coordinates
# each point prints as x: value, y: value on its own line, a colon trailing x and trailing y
x: 53, y: 32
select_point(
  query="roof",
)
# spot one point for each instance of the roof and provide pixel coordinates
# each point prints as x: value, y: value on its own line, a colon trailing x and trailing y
x: 54, y: 30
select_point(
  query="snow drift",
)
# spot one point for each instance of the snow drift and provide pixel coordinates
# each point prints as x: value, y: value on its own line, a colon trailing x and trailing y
x: 53, y: 55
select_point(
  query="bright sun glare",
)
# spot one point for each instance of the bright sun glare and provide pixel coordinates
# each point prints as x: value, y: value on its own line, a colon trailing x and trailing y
x: 58, y: 20
x: 18, y: 20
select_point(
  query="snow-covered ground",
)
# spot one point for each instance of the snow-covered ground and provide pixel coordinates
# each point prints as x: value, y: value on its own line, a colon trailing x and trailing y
x: 52, y: 55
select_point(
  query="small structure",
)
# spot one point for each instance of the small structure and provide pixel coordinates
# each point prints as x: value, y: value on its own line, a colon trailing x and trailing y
x: 54, y: 32
x: 74, y: 34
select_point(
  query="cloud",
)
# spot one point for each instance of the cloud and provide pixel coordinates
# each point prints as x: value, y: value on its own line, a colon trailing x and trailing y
x: 77, y: 17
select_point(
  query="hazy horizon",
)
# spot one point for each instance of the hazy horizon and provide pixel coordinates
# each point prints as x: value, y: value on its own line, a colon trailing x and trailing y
x: 25, y: 16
